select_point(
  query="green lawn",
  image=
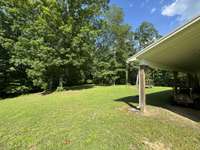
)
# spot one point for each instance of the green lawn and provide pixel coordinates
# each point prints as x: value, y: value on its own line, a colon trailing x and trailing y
x: 97, y: 118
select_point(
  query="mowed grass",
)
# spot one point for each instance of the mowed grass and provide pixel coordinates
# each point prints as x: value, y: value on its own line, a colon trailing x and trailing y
x: 95, y: 118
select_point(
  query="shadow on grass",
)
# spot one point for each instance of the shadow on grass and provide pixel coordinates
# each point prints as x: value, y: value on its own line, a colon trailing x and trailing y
x: 80, y: 87
x: 14, y: 95
x: 47, y: 92
x: 163, y: 99
x: 72, y: 88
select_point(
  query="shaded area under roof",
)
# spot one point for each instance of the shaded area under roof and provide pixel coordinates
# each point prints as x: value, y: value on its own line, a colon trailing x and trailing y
x: 178, y: 51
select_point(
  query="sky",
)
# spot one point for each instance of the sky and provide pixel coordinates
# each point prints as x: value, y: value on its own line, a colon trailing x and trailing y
x: 165, y: 15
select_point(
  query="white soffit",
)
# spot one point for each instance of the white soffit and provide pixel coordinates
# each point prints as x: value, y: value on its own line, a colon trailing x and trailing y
x: 180, y: 50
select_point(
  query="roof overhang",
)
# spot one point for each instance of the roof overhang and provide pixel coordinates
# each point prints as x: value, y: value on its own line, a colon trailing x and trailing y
x: 178, y: 51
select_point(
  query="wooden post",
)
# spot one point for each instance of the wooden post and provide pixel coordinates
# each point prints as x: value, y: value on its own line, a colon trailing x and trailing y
x: 137, y: 85
x: 142, y: 96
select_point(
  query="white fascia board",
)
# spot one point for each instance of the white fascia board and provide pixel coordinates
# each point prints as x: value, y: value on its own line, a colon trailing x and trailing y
x: 161, y: 40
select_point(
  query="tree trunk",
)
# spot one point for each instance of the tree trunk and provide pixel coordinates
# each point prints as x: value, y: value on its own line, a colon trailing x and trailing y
x: 126, y: 74
x: 61, y: 81
x: 51, y: 84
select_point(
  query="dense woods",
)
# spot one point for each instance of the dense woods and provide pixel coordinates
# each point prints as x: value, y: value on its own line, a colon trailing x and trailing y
x: 50, y: 44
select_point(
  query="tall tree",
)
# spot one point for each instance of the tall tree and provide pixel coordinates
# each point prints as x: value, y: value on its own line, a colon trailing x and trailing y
x: 60, y: 37
x: 116, y: 45
x: 145, y: 35
x: 13, y: 16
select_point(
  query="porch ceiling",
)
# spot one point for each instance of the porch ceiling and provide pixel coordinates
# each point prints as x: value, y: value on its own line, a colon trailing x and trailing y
x: 178, y: 51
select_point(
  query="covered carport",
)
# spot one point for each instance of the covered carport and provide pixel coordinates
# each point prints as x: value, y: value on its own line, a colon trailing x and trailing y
x: 178, y: 51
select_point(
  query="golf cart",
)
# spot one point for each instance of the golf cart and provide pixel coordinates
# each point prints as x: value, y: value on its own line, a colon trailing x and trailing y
x: 187, y: 95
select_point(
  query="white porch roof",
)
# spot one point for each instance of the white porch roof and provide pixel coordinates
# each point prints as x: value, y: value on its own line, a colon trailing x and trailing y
x: 178, y: 51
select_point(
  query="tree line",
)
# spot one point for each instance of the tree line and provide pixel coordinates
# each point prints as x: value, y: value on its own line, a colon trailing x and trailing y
x: 50, y: 44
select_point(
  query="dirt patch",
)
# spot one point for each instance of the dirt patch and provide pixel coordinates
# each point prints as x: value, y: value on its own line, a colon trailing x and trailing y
x: 123, y: 109
x: 157, y: 145
x: 180, y: 116
x: 70, y: 92
x: 148, y: 145
x: 174, y: 115
x: 129, y: 110
x: 67, y: 92
x: 32, y: 147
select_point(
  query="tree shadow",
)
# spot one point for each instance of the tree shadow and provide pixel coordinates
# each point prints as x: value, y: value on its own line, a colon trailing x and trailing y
x: 47, y: 92
x: 14, y: 95
x: 80, y: 87
x: 72, y: 88
x: 163, y: 99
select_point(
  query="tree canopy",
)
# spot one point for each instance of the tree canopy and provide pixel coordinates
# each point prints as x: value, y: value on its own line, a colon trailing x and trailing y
x: 49, y: 44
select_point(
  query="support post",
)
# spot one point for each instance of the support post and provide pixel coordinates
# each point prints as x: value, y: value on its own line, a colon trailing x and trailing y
x: 142, y: 96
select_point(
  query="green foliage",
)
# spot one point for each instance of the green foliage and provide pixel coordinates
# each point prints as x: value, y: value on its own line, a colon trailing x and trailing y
x: 13, y: 78
x: 145, y: 35
x: 49, y: 39
x: 116, y: 45
x: 161, y: 77
x: 49, y: 44
x: 57, y: 42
